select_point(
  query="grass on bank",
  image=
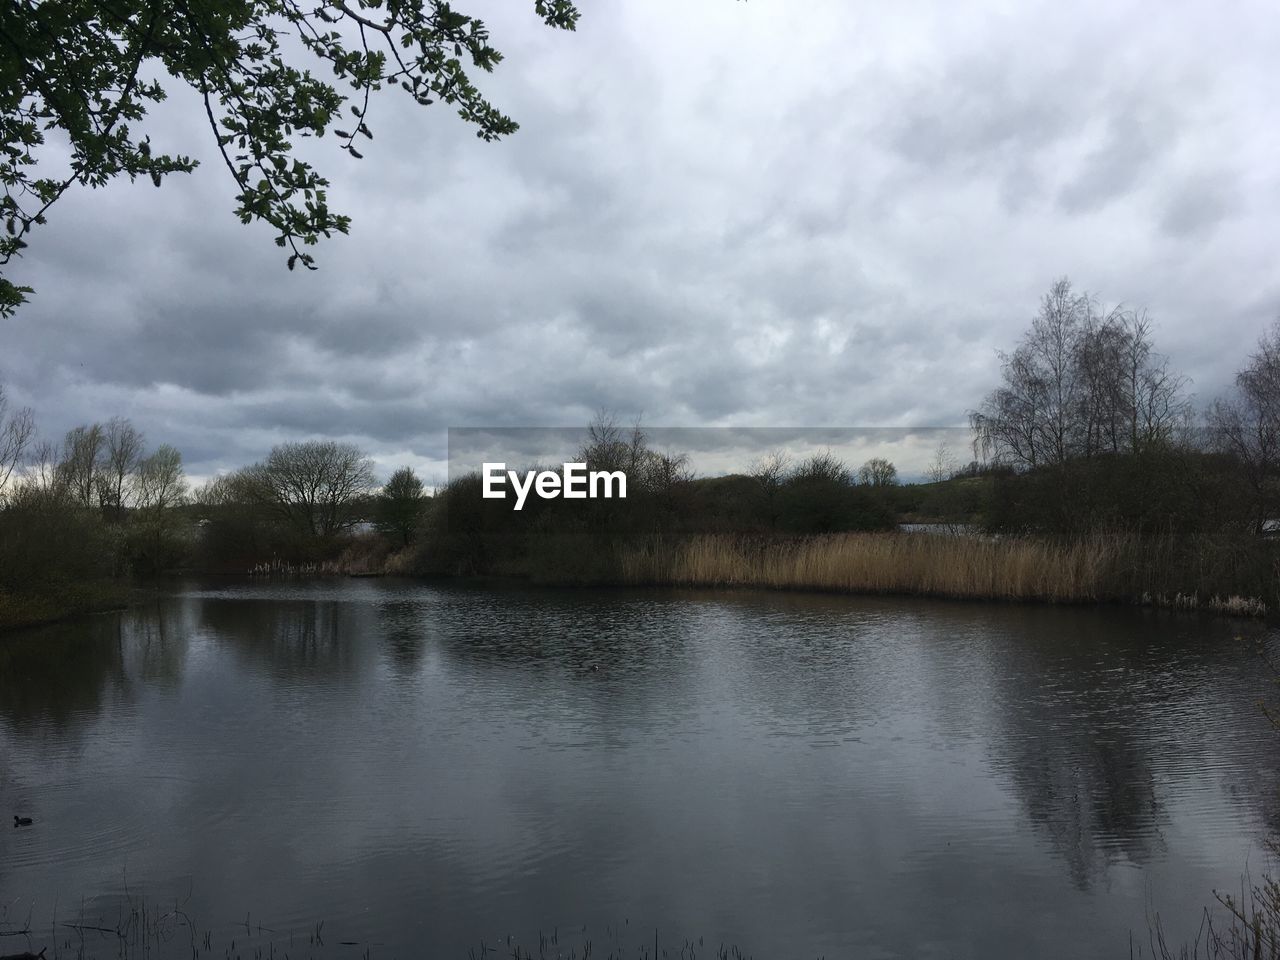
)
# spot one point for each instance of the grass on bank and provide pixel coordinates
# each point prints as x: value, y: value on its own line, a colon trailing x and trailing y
x: 50, y: 602
x: 1091, y: 569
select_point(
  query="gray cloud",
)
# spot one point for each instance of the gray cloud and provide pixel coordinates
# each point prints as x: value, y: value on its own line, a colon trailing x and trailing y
x: 754, y: 219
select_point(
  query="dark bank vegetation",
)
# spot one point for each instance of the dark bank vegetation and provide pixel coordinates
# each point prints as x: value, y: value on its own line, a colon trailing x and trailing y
x: 587, y: 541
x: 1093, y: 477
x: 82, y: 518
x: 77, y: 517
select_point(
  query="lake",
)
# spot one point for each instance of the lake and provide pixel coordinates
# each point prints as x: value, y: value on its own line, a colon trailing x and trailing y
x: 423, y: 768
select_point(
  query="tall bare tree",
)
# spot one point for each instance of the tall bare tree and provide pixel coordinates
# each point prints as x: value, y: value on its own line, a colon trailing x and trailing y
x: 17, y: 433
x: 1032, y: 418
x: 162, y: 483
x: 1081, y: 383
x: 123, y: 450
x: 1155, y: 395
x: 81, y: 463
x: 1246, y: 424
x: 610, y: 447
x: 1101, y: 352
x: 770, y: 474
x: 942, y: 464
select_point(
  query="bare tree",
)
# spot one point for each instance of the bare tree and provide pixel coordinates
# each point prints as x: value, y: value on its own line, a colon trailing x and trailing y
x: 942, y: 464
x: 162, y: 483
x: 43, y: 477
x: 611, y: 447
x: 1032, y: 418
x: 1144, y: 401
x: 1246, y: 425
x: 81, y: 464
x: 17, y: 433
x: 223, y: 490
x: 1156, y: 399
x: 1054, y: 343
x: 311, y: 486
x: 1102, y: 350
x: 825, y: 467
x: 666, y: 470
x: 123, y: 449
x: 877, y: 472
x: 770, y: 471
x: 1081, y: 383
x: 770, y: 474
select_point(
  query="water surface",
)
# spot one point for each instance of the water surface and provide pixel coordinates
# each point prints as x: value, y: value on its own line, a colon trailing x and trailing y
x: 424, y: 768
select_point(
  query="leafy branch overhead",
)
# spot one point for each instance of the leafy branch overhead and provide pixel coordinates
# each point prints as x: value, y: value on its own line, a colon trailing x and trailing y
x: 91, y: 68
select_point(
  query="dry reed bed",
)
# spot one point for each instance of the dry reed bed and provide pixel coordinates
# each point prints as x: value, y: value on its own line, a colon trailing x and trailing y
x: 887, y: 563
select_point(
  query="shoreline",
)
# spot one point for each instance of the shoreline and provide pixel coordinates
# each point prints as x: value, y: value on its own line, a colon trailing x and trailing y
x: 29, y: 610
x: 1114, y: 570
x: 1246, y: 608
x: 1096, y: 571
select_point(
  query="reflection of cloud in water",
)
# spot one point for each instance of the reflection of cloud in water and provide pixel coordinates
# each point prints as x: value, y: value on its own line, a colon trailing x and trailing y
x: 795, y: 772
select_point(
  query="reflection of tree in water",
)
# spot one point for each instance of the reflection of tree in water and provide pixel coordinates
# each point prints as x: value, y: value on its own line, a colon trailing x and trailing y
x: 1075, y: 741
x: 618, y: 632
x: 159, y: 638
x: 290, y: 638
x: 1095, y: 800
x: 1094, y: 709
x: 403, y: 629
x: 1263, y: 779
x: 612, y: 665
x: 811, y: 665
x: 63, y: 674
x: 66, y: 673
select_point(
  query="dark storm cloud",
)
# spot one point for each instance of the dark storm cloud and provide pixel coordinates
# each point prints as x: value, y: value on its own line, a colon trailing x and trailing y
x: 757, y: 219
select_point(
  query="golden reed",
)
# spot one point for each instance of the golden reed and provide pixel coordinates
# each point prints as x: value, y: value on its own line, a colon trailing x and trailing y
x: 943, y: 566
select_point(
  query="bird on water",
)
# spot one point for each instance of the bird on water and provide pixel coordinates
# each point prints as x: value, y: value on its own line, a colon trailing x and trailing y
x: 21, y: 821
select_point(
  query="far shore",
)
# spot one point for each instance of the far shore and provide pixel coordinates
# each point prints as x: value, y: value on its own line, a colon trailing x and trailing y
x: 1097, y: 570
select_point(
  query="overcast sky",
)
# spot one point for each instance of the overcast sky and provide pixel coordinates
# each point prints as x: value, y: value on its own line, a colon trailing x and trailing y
x: 773, y: 213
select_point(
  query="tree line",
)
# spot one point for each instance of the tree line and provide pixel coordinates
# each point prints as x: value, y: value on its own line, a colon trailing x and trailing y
x: 1090, y: 428
x: 1089, y: 431
x: 579, y: 541
x: 301, y: 505
x: 100, y: 505
x: 99, y: 502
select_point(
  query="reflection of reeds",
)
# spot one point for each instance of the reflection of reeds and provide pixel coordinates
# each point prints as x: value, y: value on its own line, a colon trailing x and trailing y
x: 1232, y: 606
x: 1250, y: 929
x: 140, y: 931
x: 1082, y: 570
x: 578, y: 945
